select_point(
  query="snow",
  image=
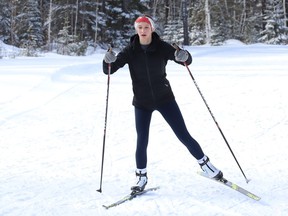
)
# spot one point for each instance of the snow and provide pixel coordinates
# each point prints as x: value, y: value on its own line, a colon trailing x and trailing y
x: 52, y: 112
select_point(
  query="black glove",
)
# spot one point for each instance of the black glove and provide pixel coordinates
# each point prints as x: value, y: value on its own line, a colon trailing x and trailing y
x: 181, y: 55
x: 110, y: 57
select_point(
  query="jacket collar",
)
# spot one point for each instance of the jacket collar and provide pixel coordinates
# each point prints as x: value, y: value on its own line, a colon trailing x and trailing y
x: 135, y: 43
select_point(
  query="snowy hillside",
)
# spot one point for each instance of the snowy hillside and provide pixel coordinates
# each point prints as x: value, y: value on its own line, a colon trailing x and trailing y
x: 51, y: 132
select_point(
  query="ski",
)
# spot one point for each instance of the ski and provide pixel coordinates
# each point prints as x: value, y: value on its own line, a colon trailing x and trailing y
x: 130, y: 196
x: 232, y: 186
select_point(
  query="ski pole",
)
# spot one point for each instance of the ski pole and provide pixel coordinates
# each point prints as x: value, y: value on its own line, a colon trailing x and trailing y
x: 213, y: 117
x: 105, y: 124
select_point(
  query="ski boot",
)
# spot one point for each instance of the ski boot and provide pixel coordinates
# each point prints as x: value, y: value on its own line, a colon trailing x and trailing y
x: 142, y: 180
x: 209, y: 169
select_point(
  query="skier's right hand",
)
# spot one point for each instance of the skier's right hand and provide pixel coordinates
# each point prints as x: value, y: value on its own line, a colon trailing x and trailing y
x: 110, y: 56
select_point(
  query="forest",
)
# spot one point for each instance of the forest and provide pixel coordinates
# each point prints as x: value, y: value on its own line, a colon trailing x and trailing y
x: 70, y: 26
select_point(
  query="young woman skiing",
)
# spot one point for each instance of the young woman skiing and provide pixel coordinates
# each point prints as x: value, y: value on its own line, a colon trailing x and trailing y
x: 147, y: 56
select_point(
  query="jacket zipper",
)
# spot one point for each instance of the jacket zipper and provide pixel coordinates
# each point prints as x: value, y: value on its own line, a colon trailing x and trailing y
x: 149, y: 78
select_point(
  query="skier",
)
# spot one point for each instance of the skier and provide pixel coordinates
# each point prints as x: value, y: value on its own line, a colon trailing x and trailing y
x: 147, y: 56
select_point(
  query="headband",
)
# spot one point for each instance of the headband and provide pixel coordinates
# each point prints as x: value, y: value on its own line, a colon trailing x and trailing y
x: 146, y: 20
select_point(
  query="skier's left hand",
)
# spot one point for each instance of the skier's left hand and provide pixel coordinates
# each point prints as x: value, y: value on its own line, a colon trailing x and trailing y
x: 181, y: 55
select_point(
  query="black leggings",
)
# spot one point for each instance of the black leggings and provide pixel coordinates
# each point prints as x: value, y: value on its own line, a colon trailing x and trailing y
x: 174, y: 118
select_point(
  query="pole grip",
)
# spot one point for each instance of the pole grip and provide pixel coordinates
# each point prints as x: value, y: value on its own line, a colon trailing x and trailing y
x: 176, y: 46
x: 110, y: 48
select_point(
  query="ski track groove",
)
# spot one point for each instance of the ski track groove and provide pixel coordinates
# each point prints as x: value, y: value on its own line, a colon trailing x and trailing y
x: 15, y: 114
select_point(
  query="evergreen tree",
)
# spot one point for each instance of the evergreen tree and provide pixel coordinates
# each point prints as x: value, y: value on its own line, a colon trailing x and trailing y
x: 218, y: 35
x: 275, y: 31
x: 197, y: 24
x: 30, y: 28
x: 220, y: 26
x: 64, y: 39
x: 173, y: 32
x: 68, y: 44
x: 197, y: 36
x: 87, y: 19
x: 33, y: 23
x: 5, y: 23
x: 253, y: 23
x: 120, y: 16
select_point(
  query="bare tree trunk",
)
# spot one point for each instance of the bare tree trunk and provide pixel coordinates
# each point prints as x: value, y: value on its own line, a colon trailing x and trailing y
x: 226, y: 6
x: 166, y: 5
x: 285, y: 13
x: 185, y: 22
x: 76, y: 19
x: 243, y: 17
x: 155, y: 3
x: 13, y: 15
x: 49, y: 26
x: 207, y: 22
x: 96, y: 24
x: 263, y: 12
x: 103, y: 6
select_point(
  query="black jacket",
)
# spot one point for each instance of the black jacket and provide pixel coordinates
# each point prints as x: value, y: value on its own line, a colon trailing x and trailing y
x: 147, y: 70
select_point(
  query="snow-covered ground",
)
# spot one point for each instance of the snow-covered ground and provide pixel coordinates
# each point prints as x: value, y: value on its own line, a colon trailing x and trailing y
x: 52, y: 112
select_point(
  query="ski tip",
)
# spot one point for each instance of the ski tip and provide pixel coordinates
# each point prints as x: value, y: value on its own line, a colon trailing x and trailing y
x: 254, y: 197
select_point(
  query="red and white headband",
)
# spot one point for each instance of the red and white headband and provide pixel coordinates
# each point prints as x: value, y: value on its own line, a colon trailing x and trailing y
x: 146, y: 20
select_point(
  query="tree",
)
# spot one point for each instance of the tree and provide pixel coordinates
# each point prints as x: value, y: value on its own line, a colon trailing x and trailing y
x: 185, y: 22
x: 35, y: 23
x: 30, y: 28
x: 49, y: 21
x: 207, y: 21
x: 5, y: 23
x: 197, y: 23
x: 67, y: 44
x: 285, y: 10
x: 119, y: 22
x: 173, y: 32
x: 275, y: 31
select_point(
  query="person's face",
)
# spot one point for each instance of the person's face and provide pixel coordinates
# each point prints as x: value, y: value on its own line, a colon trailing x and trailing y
x: 144, y: 31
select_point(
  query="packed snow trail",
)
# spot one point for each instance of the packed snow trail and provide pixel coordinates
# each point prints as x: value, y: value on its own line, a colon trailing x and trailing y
x: 51, y: 131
